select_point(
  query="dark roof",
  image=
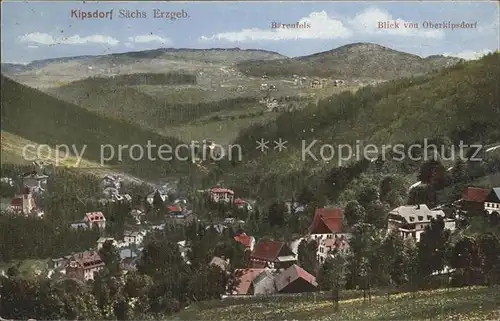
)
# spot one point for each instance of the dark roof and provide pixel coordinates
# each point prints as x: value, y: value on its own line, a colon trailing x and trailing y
x: 332, y: 218
x: 494, y: 195
x: 267, y: 250
x: 474, y: 194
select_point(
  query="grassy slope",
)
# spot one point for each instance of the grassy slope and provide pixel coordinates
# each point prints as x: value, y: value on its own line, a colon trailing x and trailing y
x: 477, y: 303
x: 40, y: 118
x: 359, y: 60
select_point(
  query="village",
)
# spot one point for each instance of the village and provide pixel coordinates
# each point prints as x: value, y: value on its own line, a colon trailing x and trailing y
x: 273, y: 266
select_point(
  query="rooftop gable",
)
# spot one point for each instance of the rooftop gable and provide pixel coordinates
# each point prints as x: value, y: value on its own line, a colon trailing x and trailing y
x: 267, y: 250
x: 292, y: 274
x: 327, y: 220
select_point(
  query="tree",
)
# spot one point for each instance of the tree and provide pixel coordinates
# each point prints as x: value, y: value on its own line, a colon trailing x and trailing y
x: 376, y: 214
x: 306, y: 253
x: 276, y: 214
x: 465, y: 259
x: 158, y: 203
x: 336, y: 266
x: 393, y: 191
x: 368, y: 195
x: 111, y: 258
x: 489, y: 247
x: 422, y: 194
x: 432, y: 248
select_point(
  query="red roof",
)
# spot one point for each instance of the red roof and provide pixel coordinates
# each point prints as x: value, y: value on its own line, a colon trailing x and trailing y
x: 95, y: 216
x: 246, y: 279
x: 267, y: 250
x: 221, y: 190
x: 244, y: 239
x: 474, y: 194
x: 16, y: 202
x: 172, y: 208
x: 239, y: 201
x: 292, y: 274
x: 327, y: 220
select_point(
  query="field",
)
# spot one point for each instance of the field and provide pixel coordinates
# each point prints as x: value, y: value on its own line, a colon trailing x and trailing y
x: 476, y: 303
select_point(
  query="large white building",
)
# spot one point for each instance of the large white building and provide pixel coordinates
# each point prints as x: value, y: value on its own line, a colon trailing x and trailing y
x: 411, y: 220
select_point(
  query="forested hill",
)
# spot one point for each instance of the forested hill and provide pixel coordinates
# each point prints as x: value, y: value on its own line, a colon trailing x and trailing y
x: 459, y: 103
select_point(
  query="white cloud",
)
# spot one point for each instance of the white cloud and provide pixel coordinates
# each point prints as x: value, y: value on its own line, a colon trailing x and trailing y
x: 368, y: 21
x: 149, y: 39
x: 321, y: 27
x: 32, y: 47
x: 469, y: 55
x: 324, y: 26
x: 49, y: 40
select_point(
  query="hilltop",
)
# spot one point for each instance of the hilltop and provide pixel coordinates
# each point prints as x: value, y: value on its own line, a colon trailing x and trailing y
x: 208, y: 55
x: 459, y: 103
x: 358, y: 60
x: 57, y: 122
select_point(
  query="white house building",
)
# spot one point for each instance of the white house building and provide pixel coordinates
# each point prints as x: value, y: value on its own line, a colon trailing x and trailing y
x: 492, y: 202
x: 411, y: 220
x: 221, y: 195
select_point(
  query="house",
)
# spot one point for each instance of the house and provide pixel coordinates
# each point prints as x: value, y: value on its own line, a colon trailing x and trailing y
x: 326, y: 223
x: 295, y: 280
x: 492, y: 201
x: 219, y: 228
x: 272, y: 254
x: 221, y: 195
x: 111, y: 181
x: 411, y: 220
x: 133, y: 238
x: 129, y: 264
x: 264, y: 283
x: 95, y: 219
x: 25, y: 204
x: 255, y: 281
x: 338, y: 82
x: 8, y: 181
x: 242, y: 204
x: 220, y: 262
x: 83, y: 265
x: 110, y: 192
x: 263, y: 87
x: 138, y: 215
x: 294, y: 207
x: 60, y: 263
x: 316, y: 84
x: 473, y: 199
x: 79, y: 225
x: 102, y: 240
x: 330, y: 246
x: 126, y: 253
x: 273, y: 88
x: 151, y: 196
x: 184, y: 249
x: 247, y: 241
x: 174, y: 210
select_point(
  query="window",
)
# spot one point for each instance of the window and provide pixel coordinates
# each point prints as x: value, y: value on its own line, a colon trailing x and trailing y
x: 412, y: 218
x: 429, y: 217
x: 420, y: 218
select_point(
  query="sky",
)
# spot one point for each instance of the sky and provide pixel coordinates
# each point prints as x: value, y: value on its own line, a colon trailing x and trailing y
x: 40, y: 30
